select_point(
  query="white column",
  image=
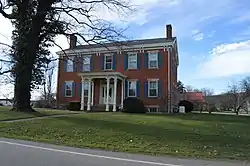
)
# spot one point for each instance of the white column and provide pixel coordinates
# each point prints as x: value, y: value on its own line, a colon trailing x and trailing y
x: 122, y: 93
x: 89, y: 95
x: 107, y: 95
x: 115, y: 90
x: 82, y: 95
x: 92, y: 92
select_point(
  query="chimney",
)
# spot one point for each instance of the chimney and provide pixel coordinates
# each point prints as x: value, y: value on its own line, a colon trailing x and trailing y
x: 169, y: 31
x: 72, y: 41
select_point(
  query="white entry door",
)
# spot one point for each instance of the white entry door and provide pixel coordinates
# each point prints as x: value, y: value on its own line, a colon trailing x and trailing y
x: 110, y: 94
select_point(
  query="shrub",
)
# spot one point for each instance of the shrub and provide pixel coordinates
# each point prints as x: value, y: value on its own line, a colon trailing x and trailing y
x: 133, y: 105
x: 213, y: 109
x: 189, y: 106
x: 74, y: 106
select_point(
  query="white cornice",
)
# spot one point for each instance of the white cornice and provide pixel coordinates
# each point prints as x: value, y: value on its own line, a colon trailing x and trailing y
x: 132, y: 48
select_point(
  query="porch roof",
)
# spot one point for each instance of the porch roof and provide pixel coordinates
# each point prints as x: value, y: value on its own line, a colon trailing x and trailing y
x: 102, y: 75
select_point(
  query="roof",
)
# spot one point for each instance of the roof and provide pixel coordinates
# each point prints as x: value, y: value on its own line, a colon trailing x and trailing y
x: 125, y: 43
x: 194, y: 96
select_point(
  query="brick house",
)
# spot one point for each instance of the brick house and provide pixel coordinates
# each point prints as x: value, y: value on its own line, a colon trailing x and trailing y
x: 97, y: 75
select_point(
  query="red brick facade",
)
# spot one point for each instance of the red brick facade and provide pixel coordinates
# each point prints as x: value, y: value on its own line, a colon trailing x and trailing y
x: 142, y: 74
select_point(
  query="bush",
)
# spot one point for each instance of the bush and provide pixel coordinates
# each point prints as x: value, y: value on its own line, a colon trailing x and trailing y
x: 133, y: 105
x: 189, y: 106
x: 213, y: 109
x: 74, y: 106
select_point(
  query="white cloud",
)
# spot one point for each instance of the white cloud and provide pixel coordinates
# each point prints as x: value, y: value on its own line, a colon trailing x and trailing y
x: 226, y: 60
x: 197, y: 35
x: 193, y: 14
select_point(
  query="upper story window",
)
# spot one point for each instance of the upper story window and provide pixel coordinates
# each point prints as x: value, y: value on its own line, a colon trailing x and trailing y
x: 69, y: 65
x: 86, y: 63
x: 132, y: 88
x: 108, y: 61
x: 132, y: 61
x: 152, y: 60
x: 153, y: 88
x: 68, y: 88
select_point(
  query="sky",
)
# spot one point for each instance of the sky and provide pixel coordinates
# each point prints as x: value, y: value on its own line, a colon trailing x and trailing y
x: 213, y: 36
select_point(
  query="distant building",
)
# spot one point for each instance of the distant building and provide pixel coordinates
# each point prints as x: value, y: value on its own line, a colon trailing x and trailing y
x: 5, y: 102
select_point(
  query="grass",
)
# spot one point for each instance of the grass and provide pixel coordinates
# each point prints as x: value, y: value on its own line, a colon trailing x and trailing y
x: 193, y: 135
x: 5, y: 114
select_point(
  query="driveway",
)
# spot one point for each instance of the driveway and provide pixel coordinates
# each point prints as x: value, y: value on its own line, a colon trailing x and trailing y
x: 26, y: 153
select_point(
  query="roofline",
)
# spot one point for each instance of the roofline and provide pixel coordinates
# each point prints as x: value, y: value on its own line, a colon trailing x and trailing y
x: 103, y: 49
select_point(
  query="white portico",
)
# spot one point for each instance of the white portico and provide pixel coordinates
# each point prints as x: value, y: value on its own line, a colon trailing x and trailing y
x: 107, y: 89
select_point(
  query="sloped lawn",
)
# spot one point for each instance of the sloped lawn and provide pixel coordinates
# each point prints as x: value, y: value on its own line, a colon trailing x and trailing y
x: 5, y: 114
x: 193, y: 135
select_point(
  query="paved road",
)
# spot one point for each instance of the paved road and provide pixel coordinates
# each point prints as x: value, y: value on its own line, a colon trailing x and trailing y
x: 25, y: 153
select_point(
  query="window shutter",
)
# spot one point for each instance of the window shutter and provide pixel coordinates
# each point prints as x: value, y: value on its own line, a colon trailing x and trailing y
x: 114, y: 61
x: 91, y: 63
x: 146, y: 60
x: 63, y: 89
x: 138, y: 60
x: 80, y: 89
x: 74, y: 64
x: 102, y: 62
x: 146, y: 88
x: 138, y: 88
x: 159, y: 60
x: 125, y: 61
x: 160, y: 88
x: 65, y: 65
x: 73, y: 89
x: 126, y: 89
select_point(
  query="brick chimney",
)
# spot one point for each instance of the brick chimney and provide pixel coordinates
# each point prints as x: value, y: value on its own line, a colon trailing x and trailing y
x: 169, y: 31
x: 72, y: 41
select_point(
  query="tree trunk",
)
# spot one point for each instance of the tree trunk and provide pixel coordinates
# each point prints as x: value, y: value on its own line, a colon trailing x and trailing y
x: 22, y: 89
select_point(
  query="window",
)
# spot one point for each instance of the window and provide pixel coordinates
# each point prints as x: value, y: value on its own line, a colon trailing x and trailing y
x: 86, y: 63
x: 70, y: 65
x: 68, y: 88
x: 108, y: 62
x: 132, y: 88
x: 86, y: 88
x: 153, y: 60
x: 153, y: 88
x: 132, y: 61
x: 153, y: 109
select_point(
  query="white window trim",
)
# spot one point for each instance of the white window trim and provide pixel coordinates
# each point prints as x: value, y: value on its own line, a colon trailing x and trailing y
x: 86, y: 56
x: 70, y: 59
x: 65, y: 94
x: 157, y: 59
x: 157, y: 88
x: 136, y: 56
x: 135, y: 87
x: 105, y: 56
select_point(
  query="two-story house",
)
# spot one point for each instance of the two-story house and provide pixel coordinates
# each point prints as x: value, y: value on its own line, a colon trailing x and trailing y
x: 106, y: 75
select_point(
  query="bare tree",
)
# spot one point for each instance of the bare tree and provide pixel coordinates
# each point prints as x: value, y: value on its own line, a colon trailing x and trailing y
x: 239, y: 93
x: 36, y: 24
x: 189, y: 88
x: 207, y: 91
x: 48, y: 84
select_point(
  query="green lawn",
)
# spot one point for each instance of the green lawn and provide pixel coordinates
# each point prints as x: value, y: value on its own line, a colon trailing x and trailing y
x: 5, y: 114
x: 194, y: 135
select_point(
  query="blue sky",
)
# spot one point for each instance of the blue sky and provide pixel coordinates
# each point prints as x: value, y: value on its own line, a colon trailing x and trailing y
x: 213, y: 36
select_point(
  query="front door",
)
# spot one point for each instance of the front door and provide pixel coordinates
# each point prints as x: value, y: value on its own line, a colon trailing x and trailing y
x: 110, y: 94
